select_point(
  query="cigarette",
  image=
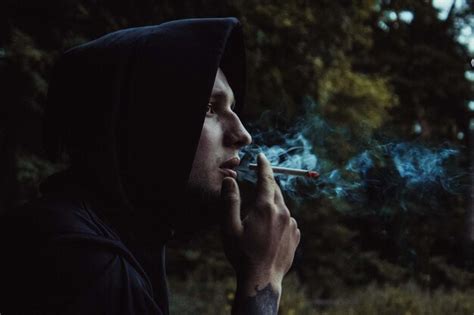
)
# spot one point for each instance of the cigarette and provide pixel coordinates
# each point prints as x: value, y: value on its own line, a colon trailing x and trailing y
x: 289, y: 171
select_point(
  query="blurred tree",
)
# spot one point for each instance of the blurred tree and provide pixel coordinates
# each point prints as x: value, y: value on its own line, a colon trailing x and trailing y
x: 426, y: 65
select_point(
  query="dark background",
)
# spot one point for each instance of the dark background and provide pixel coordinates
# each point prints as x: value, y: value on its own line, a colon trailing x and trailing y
x: 372, y: 66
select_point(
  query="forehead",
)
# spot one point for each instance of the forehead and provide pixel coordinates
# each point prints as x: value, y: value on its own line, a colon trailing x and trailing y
x: 221, y: 86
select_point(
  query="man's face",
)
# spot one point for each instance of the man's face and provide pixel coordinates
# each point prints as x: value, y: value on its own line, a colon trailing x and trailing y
x: 222, y: 136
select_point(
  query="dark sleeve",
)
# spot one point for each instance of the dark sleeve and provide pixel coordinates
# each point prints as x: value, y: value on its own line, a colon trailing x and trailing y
x: 92, y: 277
x: 79, y: 275
x: 118, y: 290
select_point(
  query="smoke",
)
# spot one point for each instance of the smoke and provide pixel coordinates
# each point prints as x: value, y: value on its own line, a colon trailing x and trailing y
x: 394, y: 172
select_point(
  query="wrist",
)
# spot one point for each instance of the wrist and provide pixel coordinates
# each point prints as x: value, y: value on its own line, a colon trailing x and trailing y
x: 256, y: 297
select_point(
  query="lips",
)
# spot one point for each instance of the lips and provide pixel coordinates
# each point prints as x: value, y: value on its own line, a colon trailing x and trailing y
x: 231, y: 163
x: 228, y: 167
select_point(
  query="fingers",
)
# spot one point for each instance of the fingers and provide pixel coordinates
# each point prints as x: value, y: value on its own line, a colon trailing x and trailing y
x: 298, y: 236
x: 265, y: 182
x: 230, y: 196
x: 293, y: 223
x: 294, y: 228
x: 268, y: 191
x: 279, y: 200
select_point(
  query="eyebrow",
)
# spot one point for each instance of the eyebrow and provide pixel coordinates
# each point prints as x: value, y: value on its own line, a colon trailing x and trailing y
x: 222, y: 95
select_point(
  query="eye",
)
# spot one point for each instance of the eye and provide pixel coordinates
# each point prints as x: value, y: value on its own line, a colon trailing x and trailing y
x: 210, y: 109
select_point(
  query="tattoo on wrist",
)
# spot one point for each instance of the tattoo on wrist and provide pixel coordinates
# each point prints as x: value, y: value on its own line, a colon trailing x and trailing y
x: 265, y: 302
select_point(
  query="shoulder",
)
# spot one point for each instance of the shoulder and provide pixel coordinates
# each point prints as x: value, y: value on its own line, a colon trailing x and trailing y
x: 54, y: 215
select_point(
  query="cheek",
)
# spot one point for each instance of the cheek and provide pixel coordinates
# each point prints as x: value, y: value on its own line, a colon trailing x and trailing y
x: 209, y: 143
x: 206, y: 140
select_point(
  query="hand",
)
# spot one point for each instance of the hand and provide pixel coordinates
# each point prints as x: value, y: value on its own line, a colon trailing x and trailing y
x: 260, y: 247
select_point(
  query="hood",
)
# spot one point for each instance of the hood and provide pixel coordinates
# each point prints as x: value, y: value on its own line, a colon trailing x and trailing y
x: 128, y: 109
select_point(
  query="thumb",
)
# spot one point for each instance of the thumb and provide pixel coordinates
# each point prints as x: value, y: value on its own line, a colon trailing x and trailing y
x: 230, y: 196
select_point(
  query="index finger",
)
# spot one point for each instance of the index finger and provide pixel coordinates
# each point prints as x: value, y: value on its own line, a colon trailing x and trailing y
x: 265, y: 181
x: 279, y: 200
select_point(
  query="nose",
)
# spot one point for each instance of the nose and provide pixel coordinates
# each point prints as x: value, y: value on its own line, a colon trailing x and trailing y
x: 237, y: 135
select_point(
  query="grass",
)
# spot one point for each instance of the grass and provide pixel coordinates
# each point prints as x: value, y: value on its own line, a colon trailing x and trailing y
x: 193, y: 295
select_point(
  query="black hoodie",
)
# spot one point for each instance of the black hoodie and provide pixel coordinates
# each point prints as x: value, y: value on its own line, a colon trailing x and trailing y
x: 127, y: 109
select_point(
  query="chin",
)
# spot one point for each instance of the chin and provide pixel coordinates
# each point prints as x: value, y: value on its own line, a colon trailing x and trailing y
x: 212, y: 190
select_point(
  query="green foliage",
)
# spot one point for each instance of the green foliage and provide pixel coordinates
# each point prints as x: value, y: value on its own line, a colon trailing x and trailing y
x: 354, y: 100
x: 215, y: 296
x: 295, y: 299
x: 30, y: 171
x: 196, y: 296
x: 291, y: 40
x: 426, y: 68
x: 405, y: 299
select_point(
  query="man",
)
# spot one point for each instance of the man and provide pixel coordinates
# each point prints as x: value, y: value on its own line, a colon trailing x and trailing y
x: 148, y: 119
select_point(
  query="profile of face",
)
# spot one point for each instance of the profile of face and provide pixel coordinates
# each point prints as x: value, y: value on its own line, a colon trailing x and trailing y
x: 222, y: 137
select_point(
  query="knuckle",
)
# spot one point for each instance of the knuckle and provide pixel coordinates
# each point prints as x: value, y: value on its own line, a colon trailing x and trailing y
x: 277, y: 188
x: 268, y: 177
x: 294, y: 223
x: 233, y: 197
x: 284, y: 217
x: 232, y: 194
x: 265, y: 205
x: 279, y: 194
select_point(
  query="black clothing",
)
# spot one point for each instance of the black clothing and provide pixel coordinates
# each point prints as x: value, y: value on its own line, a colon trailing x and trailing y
x: 128, y: 109
x: 59, y: 257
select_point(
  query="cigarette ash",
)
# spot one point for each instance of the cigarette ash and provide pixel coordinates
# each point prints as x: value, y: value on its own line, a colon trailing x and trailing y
x: 394, y: 173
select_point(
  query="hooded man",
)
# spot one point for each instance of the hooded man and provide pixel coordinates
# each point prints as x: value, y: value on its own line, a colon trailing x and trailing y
x: 148, y: 118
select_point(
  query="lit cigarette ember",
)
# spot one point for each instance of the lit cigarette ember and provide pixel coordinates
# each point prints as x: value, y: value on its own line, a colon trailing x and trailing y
x: 289, y: 171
